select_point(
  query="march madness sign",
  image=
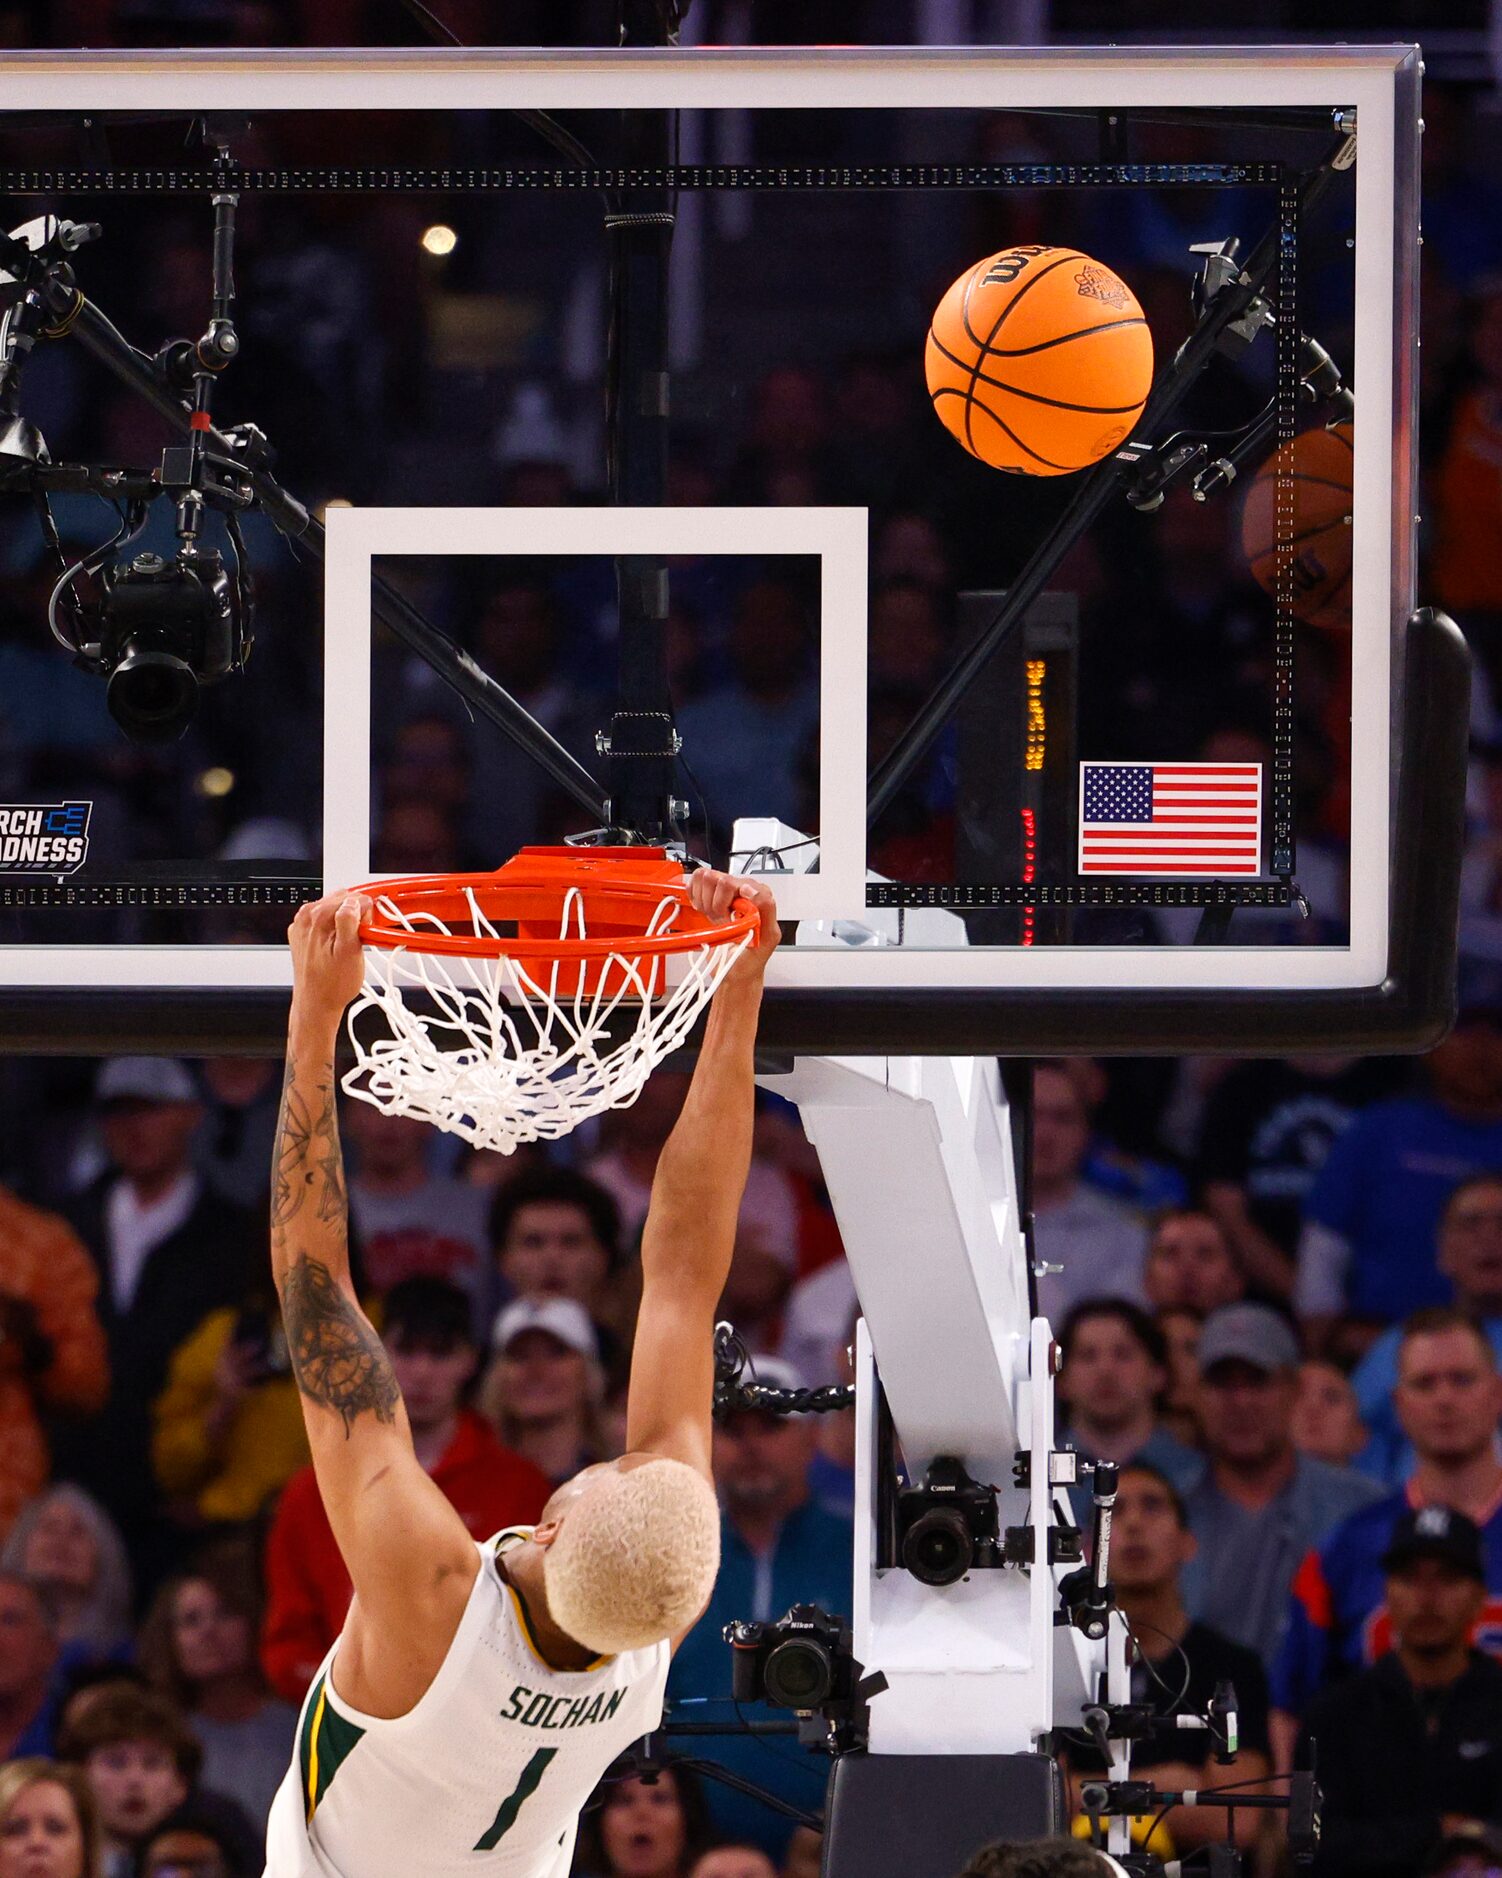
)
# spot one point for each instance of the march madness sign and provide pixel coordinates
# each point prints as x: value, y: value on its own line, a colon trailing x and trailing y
x: 44, y: 837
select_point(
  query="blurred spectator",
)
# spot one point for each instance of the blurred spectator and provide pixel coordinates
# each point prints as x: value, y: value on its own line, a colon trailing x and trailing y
x: 52, y: 1354
x: 1039, y: 1858
x: 198, y: 1646
x: 1260, y: 1504
x: 49, y: 1825
x: 734, y: 1861
x: 1179, y: 1405
x: 415, y: 837
x: 910, y: 547
x: 1268, y: 1128
x: 557, y: 1234
x: 910, y: 634
x: 544, y: 1391
x: 1326, y: 1419
x: 805, y: 1854
x: 780, y: 1141
x: 1190, y: 1265
x: 193, y: 1843
x: 1449, y: 1395
x: 1467, y: 1850
x: 779, y: 1547
x: 429, y: 1339
x: 1114, y: 1370
x: 1467, y: 487
x: 644, y: 1829
x: 788, y: 443
x: 412, y: 1222
x: 1370, y: 1218
x: 227, y: 1428
x: 1099, y: 1243
x: 1150, y: 1546
x: 816, y: 1325
x: 232, y: 1148
x: 141, y: 1762
x: 29, y: 1683
x: 766, y: 1248
x: 745, y: 738
x: 66, y: 1544
x: 1469, y: 1254
x: 168, y: 1252
x: 1413, y: 1745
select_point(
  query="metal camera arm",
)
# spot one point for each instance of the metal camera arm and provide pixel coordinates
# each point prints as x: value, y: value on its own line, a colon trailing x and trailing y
x: 242, y: 456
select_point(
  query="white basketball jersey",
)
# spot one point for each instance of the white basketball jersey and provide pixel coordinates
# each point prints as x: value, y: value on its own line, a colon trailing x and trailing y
x: 486, y: 1775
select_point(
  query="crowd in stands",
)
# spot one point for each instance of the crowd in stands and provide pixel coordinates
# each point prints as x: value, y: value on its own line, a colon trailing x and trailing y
x: 1310, y: 1505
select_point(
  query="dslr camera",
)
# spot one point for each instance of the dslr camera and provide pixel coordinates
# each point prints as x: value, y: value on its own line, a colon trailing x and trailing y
x: 948, y: 1525
x: 165, y: 629
x: 802, y: 1661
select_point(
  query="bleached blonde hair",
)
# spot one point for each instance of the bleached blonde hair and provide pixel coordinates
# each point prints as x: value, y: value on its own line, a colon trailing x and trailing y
x: 635, y: 1557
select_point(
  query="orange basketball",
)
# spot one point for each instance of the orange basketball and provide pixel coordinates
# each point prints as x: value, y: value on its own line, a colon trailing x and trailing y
x: 1320, y: 464
x: 1039, y: 360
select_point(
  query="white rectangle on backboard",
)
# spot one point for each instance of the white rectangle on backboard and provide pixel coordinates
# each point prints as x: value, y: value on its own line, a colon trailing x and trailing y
x: 836, y: 536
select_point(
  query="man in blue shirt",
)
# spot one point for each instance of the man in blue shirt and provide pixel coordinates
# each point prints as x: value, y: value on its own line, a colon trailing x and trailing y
x: 1469, y: 1253
x: 1449, y: 1398
x: 1370, y: 1219
x: 779, y: 1547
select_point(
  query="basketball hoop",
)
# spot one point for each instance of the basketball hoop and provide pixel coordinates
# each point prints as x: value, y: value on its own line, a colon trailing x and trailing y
x: 508, y: 1007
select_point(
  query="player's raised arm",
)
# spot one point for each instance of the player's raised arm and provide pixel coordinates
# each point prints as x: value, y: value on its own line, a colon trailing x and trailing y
x: 399, y: 1537
x: 696, y: 1198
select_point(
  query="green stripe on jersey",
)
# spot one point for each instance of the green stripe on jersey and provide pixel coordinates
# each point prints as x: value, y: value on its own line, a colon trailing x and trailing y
x: 324, y: 1744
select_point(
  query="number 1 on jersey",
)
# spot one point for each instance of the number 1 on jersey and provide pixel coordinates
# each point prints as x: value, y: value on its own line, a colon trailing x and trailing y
x: 505, y: 1819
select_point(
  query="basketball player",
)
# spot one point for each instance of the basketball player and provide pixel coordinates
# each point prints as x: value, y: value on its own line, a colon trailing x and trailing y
x: 478, y: 1692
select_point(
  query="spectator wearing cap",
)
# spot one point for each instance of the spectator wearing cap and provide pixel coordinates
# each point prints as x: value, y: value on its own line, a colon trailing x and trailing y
x: 779, y: 1547
x: 428, y: 1337
x: 544, y: 1391
x: 1370, y: 1219
x: 52, y: 1351
x: 1412, y: 1747
x: 1150, y: 1546
x: 1115, y: 1366
x: 1259, y: 1505
x: 1469, y: 1255
x: 1449, y: 1396
x: 167, y: 1252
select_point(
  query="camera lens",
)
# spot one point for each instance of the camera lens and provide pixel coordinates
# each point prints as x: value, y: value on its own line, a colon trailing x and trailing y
x: 152, y: 696
x: 938, y: 1548
x: 798, y: 1674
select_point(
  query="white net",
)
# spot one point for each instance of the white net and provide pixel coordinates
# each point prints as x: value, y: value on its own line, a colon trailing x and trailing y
x: 500, y: 1055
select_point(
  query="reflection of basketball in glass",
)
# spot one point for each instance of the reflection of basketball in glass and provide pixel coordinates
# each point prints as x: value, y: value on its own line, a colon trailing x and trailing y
x: 1039, y: 360
x: 1320, y: 464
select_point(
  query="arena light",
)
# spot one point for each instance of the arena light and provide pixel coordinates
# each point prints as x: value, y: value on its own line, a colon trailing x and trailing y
x: 439, y: 239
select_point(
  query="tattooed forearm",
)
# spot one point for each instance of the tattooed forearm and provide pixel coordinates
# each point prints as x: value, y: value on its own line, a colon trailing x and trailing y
x: 308, y: 1160
x: 337, y: 1358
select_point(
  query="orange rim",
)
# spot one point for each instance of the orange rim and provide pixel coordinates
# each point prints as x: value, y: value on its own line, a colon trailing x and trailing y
x: 619, y: 889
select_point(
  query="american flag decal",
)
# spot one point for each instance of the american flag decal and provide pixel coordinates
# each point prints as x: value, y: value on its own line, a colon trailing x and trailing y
x: 1181, y: 819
